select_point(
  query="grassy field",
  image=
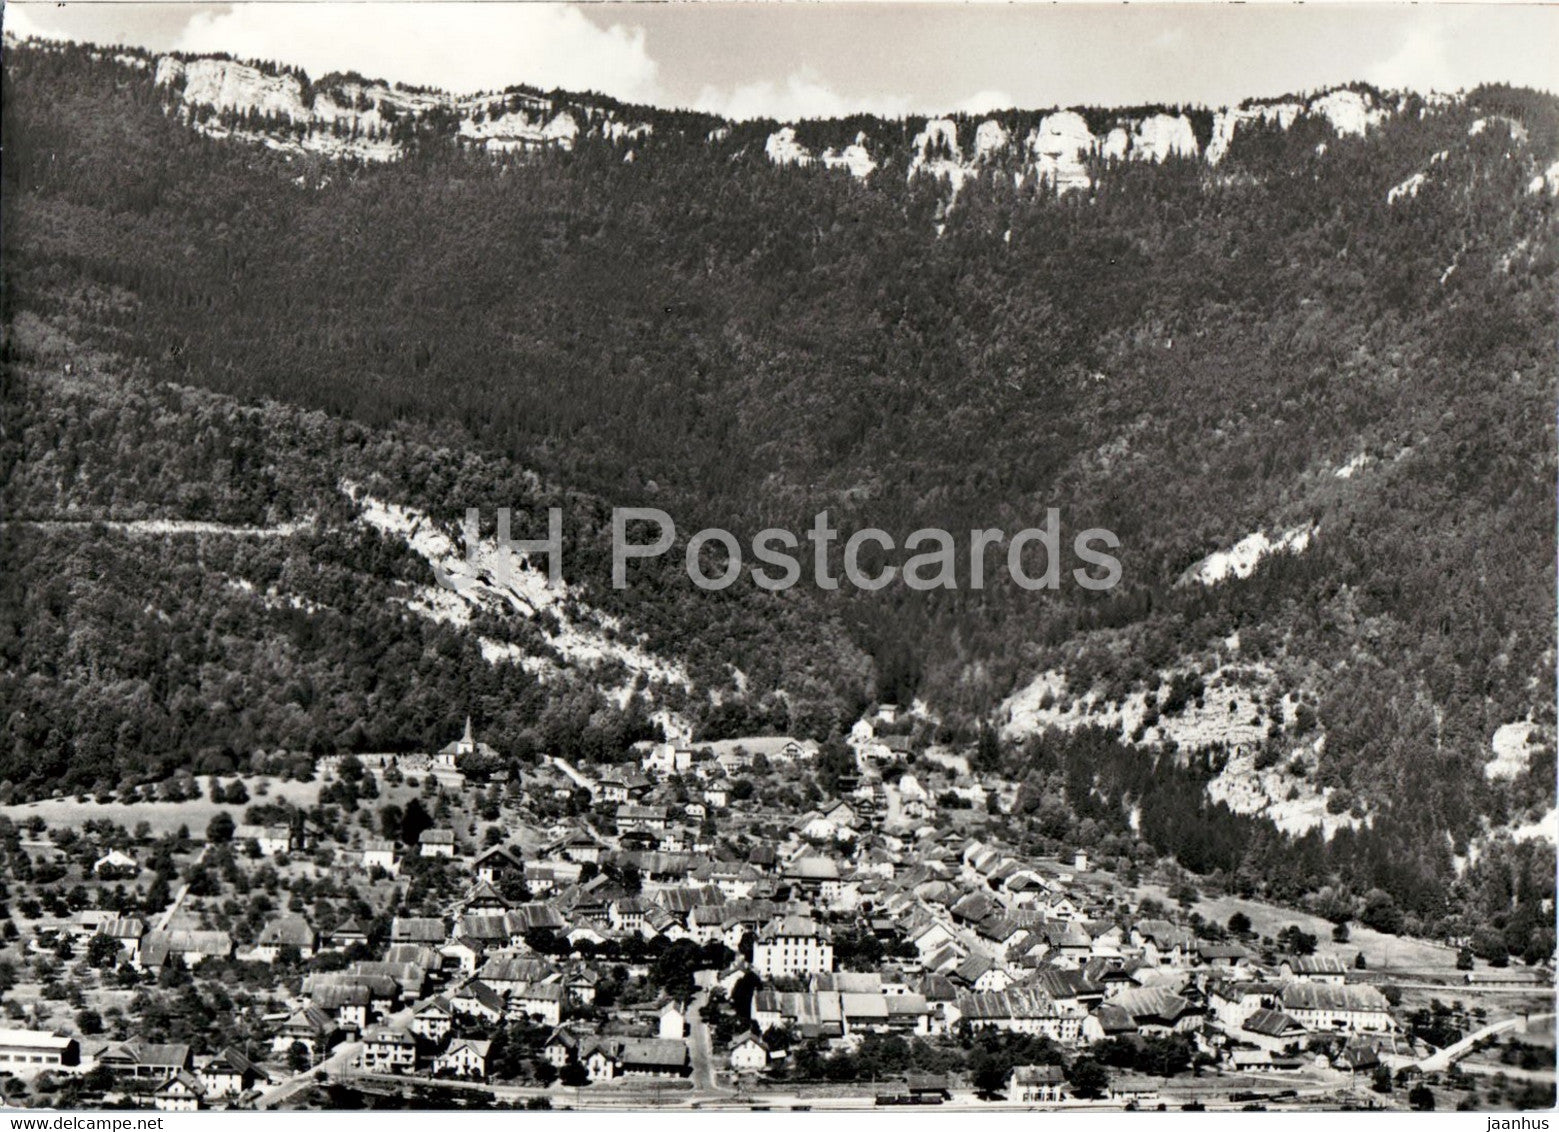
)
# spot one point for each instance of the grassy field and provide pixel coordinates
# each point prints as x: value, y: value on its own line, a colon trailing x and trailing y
x: 163, y: 817
x: 1381, y: 952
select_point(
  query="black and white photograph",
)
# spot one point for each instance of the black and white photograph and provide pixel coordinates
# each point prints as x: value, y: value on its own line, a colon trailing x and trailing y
x: 900, y: 559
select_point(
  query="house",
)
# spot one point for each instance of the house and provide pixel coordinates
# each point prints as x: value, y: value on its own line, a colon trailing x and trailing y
x: 115, y: 865
x: 231, y: 1073
x: 348, y: 934
x: 182, y: 1093
x: 792, y: 945
x: 379, y: 854
x: 418, y: 929
x: 541, y: 1002
x: 495, y: 863
x: 432, y: 1020
x: 128, y: 932
x: 1315, y: 969
x: 673, y: 1020
x: 273, y: 840
x: 981, y: 973
x: 1273, y: 1031
x: 562, y: 1047
x: 1022, y: 1011
x: 25, y: 1052
x: 284, y: 932
x: 146, y: 1060
x: 436, y: 843
x: 667, y: 758
x: 311, y: 1027
x: 350, y: 1002
x: 619, y: 785
x: 460, y: 955
x: 1263, y: 1061
x: 1037, y: 1084
x: 387, y: 1050
x: 190, y: 947
x: 1158, y: 1011
x: 465, y: 1057
x: 608, y: 1058
x: 479, y: 1002
x: 749, y: 1054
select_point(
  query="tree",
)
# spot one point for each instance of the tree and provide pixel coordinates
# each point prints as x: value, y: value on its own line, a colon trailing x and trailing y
x: 298, y: 1059
x: 1464, y: 959
x: 89, y: 1022
x: 220, y: 829
x: 414, y: 821
x: 1420, y: 1098
x: 1239, y: 924
x: 103, y: 951
x: 989, y: 1075
x: 1382, y: 1081
x: 574, y: 1075
x: 1088, y: 1078
x: 1296, y: 941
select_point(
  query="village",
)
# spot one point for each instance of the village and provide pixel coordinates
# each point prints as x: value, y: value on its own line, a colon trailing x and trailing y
x: 700, y: 924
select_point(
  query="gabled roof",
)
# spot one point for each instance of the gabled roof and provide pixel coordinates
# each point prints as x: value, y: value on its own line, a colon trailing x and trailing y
x: 287, y: 931
x: 1274, y: 1024
x: 1357, y: 997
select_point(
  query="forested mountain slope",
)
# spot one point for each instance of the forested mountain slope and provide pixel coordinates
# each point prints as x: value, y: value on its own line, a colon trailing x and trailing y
x: 1332, y: 321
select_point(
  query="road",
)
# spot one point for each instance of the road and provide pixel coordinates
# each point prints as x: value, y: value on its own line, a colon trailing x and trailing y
x: 335, y: 1066
x: 1442, y: 1059
x: 700, y: 1047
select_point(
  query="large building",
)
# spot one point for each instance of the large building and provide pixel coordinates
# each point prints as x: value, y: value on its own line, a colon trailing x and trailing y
x: 792, y: 945
x: 1326, y: 1006
x: 25, y: 1052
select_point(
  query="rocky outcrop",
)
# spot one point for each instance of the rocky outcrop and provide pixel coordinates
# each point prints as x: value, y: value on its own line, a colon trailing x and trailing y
x: 1060, y: 147
x: 1226, y: 122
x: 783, y: 149
x: 1163, y: 136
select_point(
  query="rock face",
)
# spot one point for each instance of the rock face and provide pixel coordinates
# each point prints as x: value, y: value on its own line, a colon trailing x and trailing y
x: 936, y: 153
x: 783, y: 149
x: 1349, y: 113
x: 1116, y: 144
x: 1407, y: 189
x: 1226, y: 122
x: 521, y: 131
x: 354, y: 117
x: 226, y: 85
x: 1163, y: 136
x: 990, y: 138
x: 854, y: 158
x: 1060, y: 147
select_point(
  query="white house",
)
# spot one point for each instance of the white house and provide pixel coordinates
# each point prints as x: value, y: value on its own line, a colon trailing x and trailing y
x: 749, y: 1054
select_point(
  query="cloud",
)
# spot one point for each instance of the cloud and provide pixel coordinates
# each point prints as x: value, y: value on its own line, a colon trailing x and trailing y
x: 1423, y: 62
x: 984, y: 101
x: 801, y: 95
x: 461, y: 47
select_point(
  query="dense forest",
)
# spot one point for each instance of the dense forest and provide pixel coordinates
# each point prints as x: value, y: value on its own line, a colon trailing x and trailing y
x: 1183, y: 354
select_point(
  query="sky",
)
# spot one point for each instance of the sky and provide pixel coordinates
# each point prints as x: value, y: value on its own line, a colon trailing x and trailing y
x: 805, y: 60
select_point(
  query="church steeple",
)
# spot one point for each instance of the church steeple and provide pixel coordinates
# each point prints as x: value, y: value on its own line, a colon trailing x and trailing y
x: 468, y: 740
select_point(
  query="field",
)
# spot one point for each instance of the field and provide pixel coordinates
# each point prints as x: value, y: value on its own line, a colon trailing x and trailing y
x: 164, y: 817
x: 1381, y: 952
